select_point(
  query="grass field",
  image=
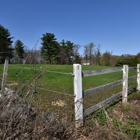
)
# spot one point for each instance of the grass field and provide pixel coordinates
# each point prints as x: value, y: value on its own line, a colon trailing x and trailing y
x: 55, y: 88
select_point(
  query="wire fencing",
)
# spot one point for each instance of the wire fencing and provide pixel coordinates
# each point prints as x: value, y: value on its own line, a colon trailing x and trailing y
x: 39, y: 102
x: 44, y: 96
x: 45, y: 99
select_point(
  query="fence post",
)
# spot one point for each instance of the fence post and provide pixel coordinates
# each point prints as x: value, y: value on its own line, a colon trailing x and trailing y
x: 4, y: 77
x: 125, y: 84
x: 78, y: 101
x: 138, y: 77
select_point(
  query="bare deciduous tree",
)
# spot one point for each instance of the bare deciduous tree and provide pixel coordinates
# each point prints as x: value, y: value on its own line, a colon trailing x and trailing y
x: 88, y: 52
x: 97, y: 55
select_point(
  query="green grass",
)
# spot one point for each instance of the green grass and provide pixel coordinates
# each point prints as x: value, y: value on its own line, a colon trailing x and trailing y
x: 59, y: 82
x: 62, y: 83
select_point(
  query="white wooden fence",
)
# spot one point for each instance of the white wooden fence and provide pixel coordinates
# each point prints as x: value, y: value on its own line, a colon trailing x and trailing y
x: 79, y: 94
x: 80, y: 113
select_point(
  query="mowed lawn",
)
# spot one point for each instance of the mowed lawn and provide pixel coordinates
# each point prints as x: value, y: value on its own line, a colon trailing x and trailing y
x: 55, y: 86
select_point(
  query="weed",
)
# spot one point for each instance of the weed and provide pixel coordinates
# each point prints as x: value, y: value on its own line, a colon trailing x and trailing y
x: 135, y: 96
x: 132, y: 129
x: 100, y: 116
x: 116, y: 123
x: 125, y: 108
x: 133, y: 122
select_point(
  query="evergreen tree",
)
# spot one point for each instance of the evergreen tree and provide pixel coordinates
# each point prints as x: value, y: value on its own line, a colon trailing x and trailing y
x: 50, y: 47
x: 62, y: 53
x: 66, y: 53
x: 5, y: 44
x: 69, y: 51
x: 19, y: 48
x: 138, y: 57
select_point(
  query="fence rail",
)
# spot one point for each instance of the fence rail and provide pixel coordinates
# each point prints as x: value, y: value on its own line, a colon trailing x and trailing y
x: 104, y: 102
x: 80, y: 113
x: 101, y: 88
x: 99, y: 72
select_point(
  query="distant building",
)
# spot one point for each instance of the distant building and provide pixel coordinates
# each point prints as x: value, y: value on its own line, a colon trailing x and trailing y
x: 83, y: 62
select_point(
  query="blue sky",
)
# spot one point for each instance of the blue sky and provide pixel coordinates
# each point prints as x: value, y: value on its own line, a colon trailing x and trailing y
x: 114, y: 24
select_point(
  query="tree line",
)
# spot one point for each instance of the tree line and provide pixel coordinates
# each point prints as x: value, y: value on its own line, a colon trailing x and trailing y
x: 64, y: 52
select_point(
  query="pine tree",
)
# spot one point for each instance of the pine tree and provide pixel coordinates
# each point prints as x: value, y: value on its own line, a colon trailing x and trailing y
x: 19, y: 48
x: 50, y: 47
x: 5, y: 44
